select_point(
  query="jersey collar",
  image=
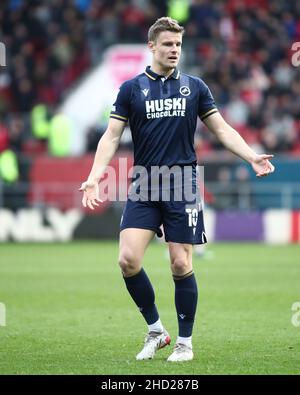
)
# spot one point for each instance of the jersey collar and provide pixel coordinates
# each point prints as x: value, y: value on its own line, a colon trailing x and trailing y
x: 153, y: 76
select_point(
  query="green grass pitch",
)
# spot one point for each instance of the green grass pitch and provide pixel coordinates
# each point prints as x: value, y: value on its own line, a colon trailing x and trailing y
x: 68, y: 311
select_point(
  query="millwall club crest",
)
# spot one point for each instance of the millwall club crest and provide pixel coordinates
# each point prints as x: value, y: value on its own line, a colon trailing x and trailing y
x: 185, y: 90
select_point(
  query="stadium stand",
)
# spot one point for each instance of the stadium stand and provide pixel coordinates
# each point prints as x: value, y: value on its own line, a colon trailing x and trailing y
x: 51, y: 45
x: 241, y: 48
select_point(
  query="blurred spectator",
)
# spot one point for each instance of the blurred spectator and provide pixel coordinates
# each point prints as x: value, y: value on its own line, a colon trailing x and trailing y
x: 4, y: 139
x: 92, y: 138
x: 16, y: 133
x: 240, y: 47
x: 179, y: 10
x: 60, y: 135
x: 9, y: 168
x: 237, y: 110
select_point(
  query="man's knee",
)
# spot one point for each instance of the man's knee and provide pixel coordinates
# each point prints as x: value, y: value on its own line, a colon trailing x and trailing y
x: 180, y: 266
x: 129, y: 263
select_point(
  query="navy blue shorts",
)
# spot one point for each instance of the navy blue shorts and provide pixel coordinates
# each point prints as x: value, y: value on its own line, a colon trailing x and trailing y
x: 182, y: 220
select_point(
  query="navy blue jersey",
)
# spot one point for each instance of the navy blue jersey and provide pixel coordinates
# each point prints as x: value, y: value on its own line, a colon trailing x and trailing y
x: 162, y: 115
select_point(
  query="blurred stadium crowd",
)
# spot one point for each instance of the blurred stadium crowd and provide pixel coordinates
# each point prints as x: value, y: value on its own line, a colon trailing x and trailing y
x: 241, y: 48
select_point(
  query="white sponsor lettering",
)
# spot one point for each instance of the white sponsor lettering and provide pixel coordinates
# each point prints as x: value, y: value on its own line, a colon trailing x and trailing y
x: 166, y: 114
x: 165, y: 108
x: 150, y: 105
x: 28, y: 225
x: 179, y: 103
x: 63, y: 225
x: 168, y: 104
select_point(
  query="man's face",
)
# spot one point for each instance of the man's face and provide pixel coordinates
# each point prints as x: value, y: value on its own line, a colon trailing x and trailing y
x: 166, y: 49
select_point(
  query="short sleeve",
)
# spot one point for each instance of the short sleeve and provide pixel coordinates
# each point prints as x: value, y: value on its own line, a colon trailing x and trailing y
x: 206, y: 105
x: 121, y: 107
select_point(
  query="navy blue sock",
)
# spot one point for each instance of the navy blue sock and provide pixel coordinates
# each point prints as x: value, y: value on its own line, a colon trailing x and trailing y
x: 186, y: 297
x: 141, y: 291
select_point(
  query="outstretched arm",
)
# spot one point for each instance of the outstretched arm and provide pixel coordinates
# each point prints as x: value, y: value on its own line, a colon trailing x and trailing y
x: 107, y: 146
x: 234, y: 142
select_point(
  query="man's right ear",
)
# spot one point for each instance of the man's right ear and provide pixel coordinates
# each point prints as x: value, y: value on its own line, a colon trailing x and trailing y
x: 151, y: 45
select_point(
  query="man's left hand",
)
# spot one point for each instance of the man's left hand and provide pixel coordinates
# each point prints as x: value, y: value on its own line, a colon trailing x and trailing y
x: 262, y: 166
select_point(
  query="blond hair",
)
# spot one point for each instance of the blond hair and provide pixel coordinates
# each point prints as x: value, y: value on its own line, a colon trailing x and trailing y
x: 164, y: 24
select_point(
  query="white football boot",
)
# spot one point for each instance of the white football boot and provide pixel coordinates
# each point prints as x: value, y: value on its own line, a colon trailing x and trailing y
x: 154, y: 341
x: 181, y: 353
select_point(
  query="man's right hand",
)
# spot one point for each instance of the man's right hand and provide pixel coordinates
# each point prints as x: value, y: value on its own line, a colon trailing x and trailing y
x: 90, y: 194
